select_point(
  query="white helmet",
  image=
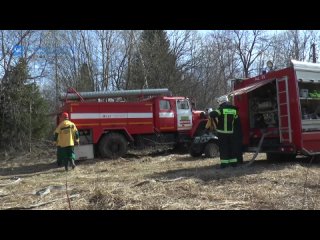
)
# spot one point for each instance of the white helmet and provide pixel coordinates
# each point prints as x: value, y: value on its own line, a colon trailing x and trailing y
x: 210, y: 110
x: 222, y: 99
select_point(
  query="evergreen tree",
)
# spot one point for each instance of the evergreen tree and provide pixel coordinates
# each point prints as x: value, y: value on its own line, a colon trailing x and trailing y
x: 154, y: 66
x: 85, y: 83
x: 23, y: 110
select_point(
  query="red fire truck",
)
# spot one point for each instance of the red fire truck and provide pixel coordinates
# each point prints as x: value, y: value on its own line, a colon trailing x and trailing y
x: 152, y: 117
x: 280, y: 111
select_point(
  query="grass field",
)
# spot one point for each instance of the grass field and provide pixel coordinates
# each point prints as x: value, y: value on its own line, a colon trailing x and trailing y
x: 156, y: 181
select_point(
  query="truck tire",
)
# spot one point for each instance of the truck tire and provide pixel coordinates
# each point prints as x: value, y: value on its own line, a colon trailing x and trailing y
x: 113, y: 145
x: 195, y: 151
x: 180, y: 148
x: 211, y: 150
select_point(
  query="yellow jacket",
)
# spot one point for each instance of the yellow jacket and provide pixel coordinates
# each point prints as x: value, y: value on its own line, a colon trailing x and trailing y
x: 66, y: 134
x: 211, y: 124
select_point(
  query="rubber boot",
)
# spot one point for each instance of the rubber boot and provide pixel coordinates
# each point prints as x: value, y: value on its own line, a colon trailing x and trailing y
x: 234, y: 164
x: 224, y: 165
x: 66, y: 164
x: 240, y: 159
x: 73, y: 165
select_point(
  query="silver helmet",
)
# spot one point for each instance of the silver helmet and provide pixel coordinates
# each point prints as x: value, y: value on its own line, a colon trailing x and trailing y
x: 222, y: 99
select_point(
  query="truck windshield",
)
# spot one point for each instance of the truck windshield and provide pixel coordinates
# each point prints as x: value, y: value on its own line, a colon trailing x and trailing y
x: 183, y: 104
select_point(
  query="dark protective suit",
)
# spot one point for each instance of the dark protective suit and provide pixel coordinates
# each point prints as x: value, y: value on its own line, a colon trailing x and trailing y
x: 228, y: 140
x: 239, y: 138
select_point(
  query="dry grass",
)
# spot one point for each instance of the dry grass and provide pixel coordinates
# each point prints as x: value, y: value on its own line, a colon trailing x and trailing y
x: 159, y: 181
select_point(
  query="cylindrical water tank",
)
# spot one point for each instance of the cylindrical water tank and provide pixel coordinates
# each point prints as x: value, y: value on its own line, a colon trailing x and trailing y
x: 114, y: 94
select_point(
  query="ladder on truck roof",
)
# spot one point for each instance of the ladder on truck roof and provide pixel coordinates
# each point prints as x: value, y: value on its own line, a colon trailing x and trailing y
x: 285, y: 129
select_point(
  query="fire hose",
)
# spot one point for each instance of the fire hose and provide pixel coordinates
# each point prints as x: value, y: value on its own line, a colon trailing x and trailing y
x: 259, y: 147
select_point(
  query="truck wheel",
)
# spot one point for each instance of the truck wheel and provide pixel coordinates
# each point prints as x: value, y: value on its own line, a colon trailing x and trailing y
x: 211, y: 150
x: 180, y: 148
x: 196, y: 150
x: 195, y: 153
x: 113, y: 145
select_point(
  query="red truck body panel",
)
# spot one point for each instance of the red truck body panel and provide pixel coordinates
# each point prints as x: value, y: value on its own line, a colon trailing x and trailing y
x: 135, y: 118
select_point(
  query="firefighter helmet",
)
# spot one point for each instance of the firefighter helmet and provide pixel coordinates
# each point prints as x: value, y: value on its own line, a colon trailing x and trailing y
x: 65, y: 115
x: 222, y: 99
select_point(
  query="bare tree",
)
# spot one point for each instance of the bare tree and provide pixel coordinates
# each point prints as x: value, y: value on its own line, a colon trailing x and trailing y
x: 20, y: 43
x: 186, y: 47
x: 249, y: 46
x: 287, y: 45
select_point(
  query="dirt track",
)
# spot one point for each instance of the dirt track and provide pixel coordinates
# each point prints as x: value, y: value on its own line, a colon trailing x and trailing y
x: 162, y: 180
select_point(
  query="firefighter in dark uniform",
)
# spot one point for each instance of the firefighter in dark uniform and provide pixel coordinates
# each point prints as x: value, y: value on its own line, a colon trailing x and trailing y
x: 228, y: 144
x: 238, y: 137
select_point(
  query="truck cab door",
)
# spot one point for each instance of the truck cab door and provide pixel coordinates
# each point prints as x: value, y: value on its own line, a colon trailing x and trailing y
x: 184, y: 114
x: 165, y: 121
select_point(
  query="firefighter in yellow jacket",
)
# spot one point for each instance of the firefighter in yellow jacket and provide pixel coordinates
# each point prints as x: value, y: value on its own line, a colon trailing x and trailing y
x: 66, y: 136
x: 211, y: 124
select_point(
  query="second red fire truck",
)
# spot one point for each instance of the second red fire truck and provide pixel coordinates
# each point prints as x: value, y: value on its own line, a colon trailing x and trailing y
x: 151, y: 117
